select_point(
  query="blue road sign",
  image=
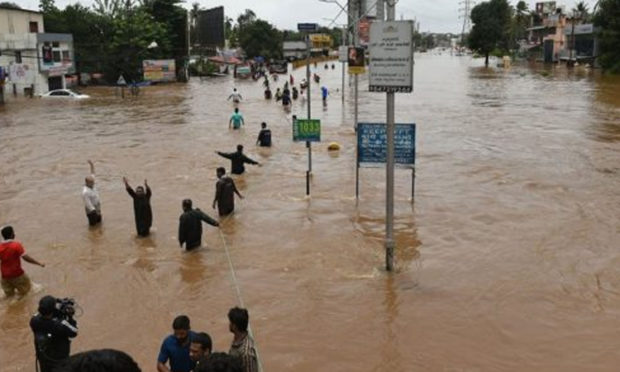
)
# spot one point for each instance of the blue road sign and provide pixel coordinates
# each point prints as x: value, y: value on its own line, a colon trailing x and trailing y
x: 307, y: 27
x: 372, y: 144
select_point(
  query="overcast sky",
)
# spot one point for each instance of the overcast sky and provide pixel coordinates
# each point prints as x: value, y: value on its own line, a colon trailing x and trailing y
x: 433, y: 15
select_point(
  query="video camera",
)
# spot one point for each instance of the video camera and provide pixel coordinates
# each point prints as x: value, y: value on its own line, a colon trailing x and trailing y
x: 64, y: 308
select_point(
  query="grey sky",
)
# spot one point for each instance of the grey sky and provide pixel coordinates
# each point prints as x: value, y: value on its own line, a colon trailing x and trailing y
x: 433, y: 15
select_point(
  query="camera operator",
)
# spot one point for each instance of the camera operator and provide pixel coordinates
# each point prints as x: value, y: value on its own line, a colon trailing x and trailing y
x: 53, y: 326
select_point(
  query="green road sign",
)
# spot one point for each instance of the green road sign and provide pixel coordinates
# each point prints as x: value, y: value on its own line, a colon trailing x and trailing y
x: 307, y: 130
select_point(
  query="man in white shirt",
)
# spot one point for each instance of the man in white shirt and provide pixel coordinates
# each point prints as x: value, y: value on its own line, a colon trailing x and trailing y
x: 236, y: 96
x: 92, y: 204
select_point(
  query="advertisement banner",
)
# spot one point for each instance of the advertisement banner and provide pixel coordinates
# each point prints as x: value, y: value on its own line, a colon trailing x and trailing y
x: 159, y: 70
x: 363, y: 30
x: 356, y: 61
x: 21, y: 73
x: 391, y: 56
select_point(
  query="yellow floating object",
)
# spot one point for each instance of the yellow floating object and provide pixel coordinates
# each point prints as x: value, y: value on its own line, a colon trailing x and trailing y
x: 333, y: 146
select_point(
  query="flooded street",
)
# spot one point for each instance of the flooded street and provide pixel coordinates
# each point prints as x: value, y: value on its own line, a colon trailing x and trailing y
x: 507, y: 260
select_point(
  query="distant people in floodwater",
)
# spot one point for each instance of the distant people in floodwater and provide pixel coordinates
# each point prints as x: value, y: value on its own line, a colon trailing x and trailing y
x: 90, y: 195
x: 278, y: 95
x: 333, y: 66
x: 236, y: 120
x: 225, y: 190
x: 304, y: 84
x: 190, y: 226
x: 236, y: 96
x: 267, y: 93
x: 141, y: 207
x: 292, y: 79
x: 317, y: 78
x: 286, y: 98
x: 295, y: 93
x: 264, y: 136
x: 324, y: 93
x: 326, y: 66
x: 237, y: 160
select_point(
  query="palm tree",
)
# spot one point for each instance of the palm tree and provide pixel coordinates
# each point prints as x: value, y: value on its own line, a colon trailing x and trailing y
x: 581, y: 12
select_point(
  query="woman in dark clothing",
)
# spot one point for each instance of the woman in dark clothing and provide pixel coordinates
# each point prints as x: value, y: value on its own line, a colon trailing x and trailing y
x: 141, y: 207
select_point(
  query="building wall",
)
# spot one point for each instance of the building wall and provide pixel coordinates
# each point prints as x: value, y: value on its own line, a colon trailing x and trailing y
x: 15, y: 21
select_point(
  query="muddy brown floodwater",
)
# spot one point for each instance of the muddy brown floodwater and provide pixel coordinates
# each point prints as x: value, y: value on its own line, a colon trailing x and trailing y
x: 507, y: 260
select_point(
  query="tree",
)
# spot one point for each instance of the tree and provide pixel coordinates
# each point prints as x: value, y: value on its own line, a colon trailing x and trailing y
x: 581, y: 12
x: 607, y: 18
x: 134, y: 31
x: 521, y: 20
x: 260, y: 38
x: 9, y: 5
x: 174, y: 18
x: 491, y: 27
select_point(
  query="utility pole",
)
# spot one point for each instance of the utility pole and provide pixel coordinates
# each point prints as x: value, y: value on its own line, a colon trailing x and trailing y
x: 343, y: 43
x: 465, y: 15
x: 389, y: 192
x: 308, y: 143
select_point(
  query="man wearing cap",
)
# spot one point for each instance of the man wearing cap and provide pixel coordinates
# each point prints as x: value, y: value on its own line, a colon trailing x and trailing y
x: 51, y: 335
x: 14, y: 279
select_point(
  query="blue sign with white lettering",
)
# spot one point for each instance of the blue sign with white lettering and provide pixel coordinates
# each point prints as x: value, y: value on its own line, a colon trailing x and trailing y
x: 307, y: 27
x: 372, y: 144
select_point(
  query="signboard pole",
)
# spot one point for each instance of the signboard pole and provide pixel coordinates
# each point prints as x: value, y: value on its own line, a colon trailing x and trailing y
x: 412, y: 183
x: 308, y: 145
x: 342, y: 63
x: 389, y: 197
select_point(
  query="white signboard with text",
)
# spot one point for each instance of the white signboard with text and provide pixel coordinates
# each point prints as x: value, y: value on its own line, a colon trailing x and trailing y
x: 391, y: 56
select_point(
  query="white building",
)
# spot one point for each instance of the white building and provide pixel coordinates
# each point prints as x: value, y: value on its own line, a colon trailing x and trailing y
x: 32, y: 60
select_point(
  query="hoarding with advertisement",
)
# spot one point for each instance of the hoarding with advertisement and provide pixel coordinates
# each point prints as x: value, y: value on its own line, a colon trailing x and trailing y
x: 156, y: 70
x: 21, y: 73
x: 363, y: 29
x: 546, y: 7
x: 356, y: 60
x: 210, y: 27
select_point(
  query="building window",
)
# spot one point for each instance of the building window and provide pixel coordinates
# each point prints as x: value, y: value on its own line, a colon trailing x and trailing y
x: 18, y: 56
x: 34, y: 27
x: 55, y: 44
x: 56, y: 54
x: 65, y: 56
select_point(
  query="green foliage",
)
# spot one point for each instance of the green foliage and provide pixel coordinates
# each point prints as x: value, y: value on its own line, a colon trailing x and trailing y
x: 607, y: 18
x: 7, y: 4
x: 491, y: 27
x: 134, y: 31
x: 260, y: 38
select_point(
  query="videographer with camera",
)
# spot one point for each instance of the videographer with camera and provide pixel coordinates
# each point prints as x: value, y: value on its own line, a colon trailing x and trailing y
x: 53, y: 327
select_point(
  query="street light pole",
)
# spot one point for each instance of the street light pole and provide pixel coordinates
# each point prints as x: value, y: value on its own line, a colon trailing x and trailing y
x: 389, y: 197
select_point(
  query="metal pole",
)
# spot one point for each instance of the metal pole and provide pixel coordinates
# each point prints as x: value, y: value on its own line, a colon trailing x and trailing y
x: 342, y: 63
x: 389, y: 197
x: 412, y: 183
x: 309, y: 116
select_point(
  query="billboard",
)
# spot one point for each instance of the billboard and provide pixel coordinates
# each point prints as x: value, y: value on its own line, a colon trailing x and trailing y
x: 21, y: 73
x: 356, y: 60
x: 363, y: 30
x: 210, y: 27
x: 391, y: 57
x: 546, y: 7
x: 156, y: 70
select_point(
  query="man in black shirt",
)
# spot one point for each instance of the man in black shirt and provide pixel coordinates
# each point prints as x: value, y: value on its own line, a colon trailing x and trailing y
x: 225, y: 190
x: 52, y: 333
x: 237, y: 159
x: 190, y: 225
x: 141, y: 207
x: 264, y: 137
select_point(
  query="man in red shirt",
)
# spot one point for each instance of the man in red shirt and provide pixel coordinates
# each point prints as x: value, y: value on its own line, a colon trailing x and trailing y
x: 11, y: 252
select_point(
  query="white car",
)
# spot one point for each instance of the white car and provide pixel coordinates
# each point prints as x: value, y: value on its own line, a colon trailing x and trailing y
x: 64, y: 93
